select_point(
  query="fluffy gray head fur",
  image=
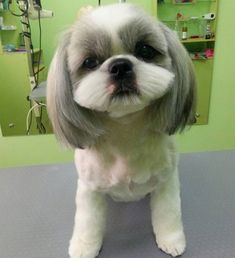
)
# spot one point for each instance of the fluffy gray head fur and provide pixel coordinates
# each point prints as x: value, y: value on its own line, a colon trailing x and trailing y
x: 79, y: 127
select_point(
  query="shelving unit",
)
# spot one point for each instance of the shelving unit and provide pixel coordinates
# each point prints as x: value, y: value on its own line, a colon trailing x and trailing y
x: 192, y: 17
x: 15, y: 80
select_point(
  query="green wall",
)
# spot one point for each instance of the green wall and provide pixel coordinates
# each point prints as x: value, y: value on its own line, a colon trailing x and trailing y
x: 219, y: 134
x: 64, y: 15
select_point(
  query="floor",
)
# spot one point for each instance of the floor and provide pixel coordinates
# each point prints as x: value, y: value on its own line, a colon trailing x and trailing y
x: 37, y: 210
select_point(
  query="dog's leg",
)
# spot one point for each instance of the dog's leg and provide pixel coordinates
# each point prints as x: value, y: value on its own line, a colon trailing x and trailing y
x: 89, y: 226
x: 166, y: 217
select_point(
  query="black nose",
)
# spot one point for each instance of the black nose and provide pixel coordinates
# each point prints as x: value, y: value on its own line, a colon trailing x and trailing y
x: 121, y: 68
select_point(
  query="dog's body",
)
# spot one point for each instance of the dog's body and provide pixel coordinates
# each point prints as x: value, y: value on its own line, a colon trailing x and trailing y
x: 129, y: 163
x: 116, y: 96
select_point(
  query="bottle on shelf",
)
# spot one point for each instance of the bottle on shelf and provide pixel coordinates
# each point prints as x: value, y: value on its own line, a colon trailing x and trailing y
x: 177, y: 26
x: 184, y: 32
x: 208, y: 33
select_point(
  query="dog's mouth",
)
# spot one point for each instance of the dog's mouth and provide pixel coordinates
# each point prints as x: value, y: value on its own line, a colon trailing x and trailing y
x: 125, y: 88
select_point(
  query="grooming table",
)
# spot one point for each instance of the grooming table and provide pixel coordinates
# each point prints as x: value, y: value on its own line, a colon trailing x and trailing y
x: 37, y: 210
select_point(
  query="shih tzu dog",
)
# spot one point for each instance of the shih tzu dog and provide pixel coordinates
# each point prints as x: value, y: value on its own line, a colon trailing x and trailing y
x: 119, y: 86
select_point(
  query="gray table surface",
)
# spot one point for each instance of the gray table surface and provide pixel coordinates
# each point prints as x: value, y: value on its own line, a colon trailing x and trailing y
x: 37, y: 209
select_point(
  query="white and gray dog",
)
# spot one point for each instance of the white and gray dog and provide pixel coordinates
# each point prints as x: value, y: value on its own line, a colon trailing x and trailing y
x: 119, y: 86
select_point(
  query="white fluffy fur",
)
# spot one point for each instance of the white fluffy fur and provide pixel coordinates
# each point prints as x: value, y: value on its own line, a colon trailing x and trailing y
x: 127, y: 174
x: 93, y: 91
x: 132, y: 158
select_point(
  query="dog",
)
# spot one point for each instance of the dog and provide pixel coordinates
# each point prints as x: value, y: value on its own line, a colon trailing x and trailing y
x: 120, y: 86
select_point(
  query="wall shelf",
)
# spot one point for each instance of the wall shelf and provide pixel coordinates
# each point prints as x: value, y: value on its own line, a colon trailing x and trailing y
x: 8, y: 28
x: 197, y: 40
x: 170, y: 2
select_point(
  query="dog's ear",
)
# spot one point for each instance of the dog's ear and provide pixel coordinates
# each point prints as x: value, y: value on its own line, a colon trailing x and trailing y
x: 177, y: 108
x: 73, y: 125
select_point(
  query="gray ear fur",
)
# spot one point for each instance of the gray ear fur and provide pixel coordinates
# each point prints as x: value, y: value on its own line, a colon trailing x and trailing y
x: 177, y: 108
x: 73, y: 125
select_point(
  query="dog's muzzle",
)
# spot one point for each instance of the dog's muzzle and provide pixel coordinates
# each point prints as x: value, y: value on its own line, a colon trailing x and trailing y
x: 123, y: 77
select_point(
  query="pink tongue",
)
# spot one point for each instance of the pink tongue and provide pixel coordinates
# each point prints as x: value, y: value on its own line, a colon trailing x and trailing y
x: 111, y: 88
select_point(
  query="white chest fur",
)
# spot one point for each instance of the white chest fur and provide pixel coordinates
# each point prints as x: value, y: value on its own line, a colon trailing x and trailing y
x: 127, y: 164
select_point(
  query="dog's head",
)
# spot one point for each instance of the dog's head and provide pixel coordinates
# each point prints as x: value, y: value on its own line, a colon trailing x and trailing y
x: 114, y: 61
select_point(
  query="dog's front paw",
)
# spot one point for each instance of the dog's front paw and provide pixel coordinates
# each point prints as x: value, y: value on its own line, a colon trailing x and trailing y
x: 80, y: 249
x: 173, y: 244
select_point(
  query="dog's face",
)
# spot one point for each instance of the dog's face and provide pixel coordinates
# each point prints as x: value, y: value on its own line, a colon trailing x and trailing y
x: 118, y: 63
x: 117, y: 60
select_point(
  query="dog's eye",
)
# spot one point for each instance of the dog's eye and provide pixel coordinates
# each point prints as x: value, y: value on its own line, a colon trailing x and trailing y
x: 91, y: 63
x: 145, y: 51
